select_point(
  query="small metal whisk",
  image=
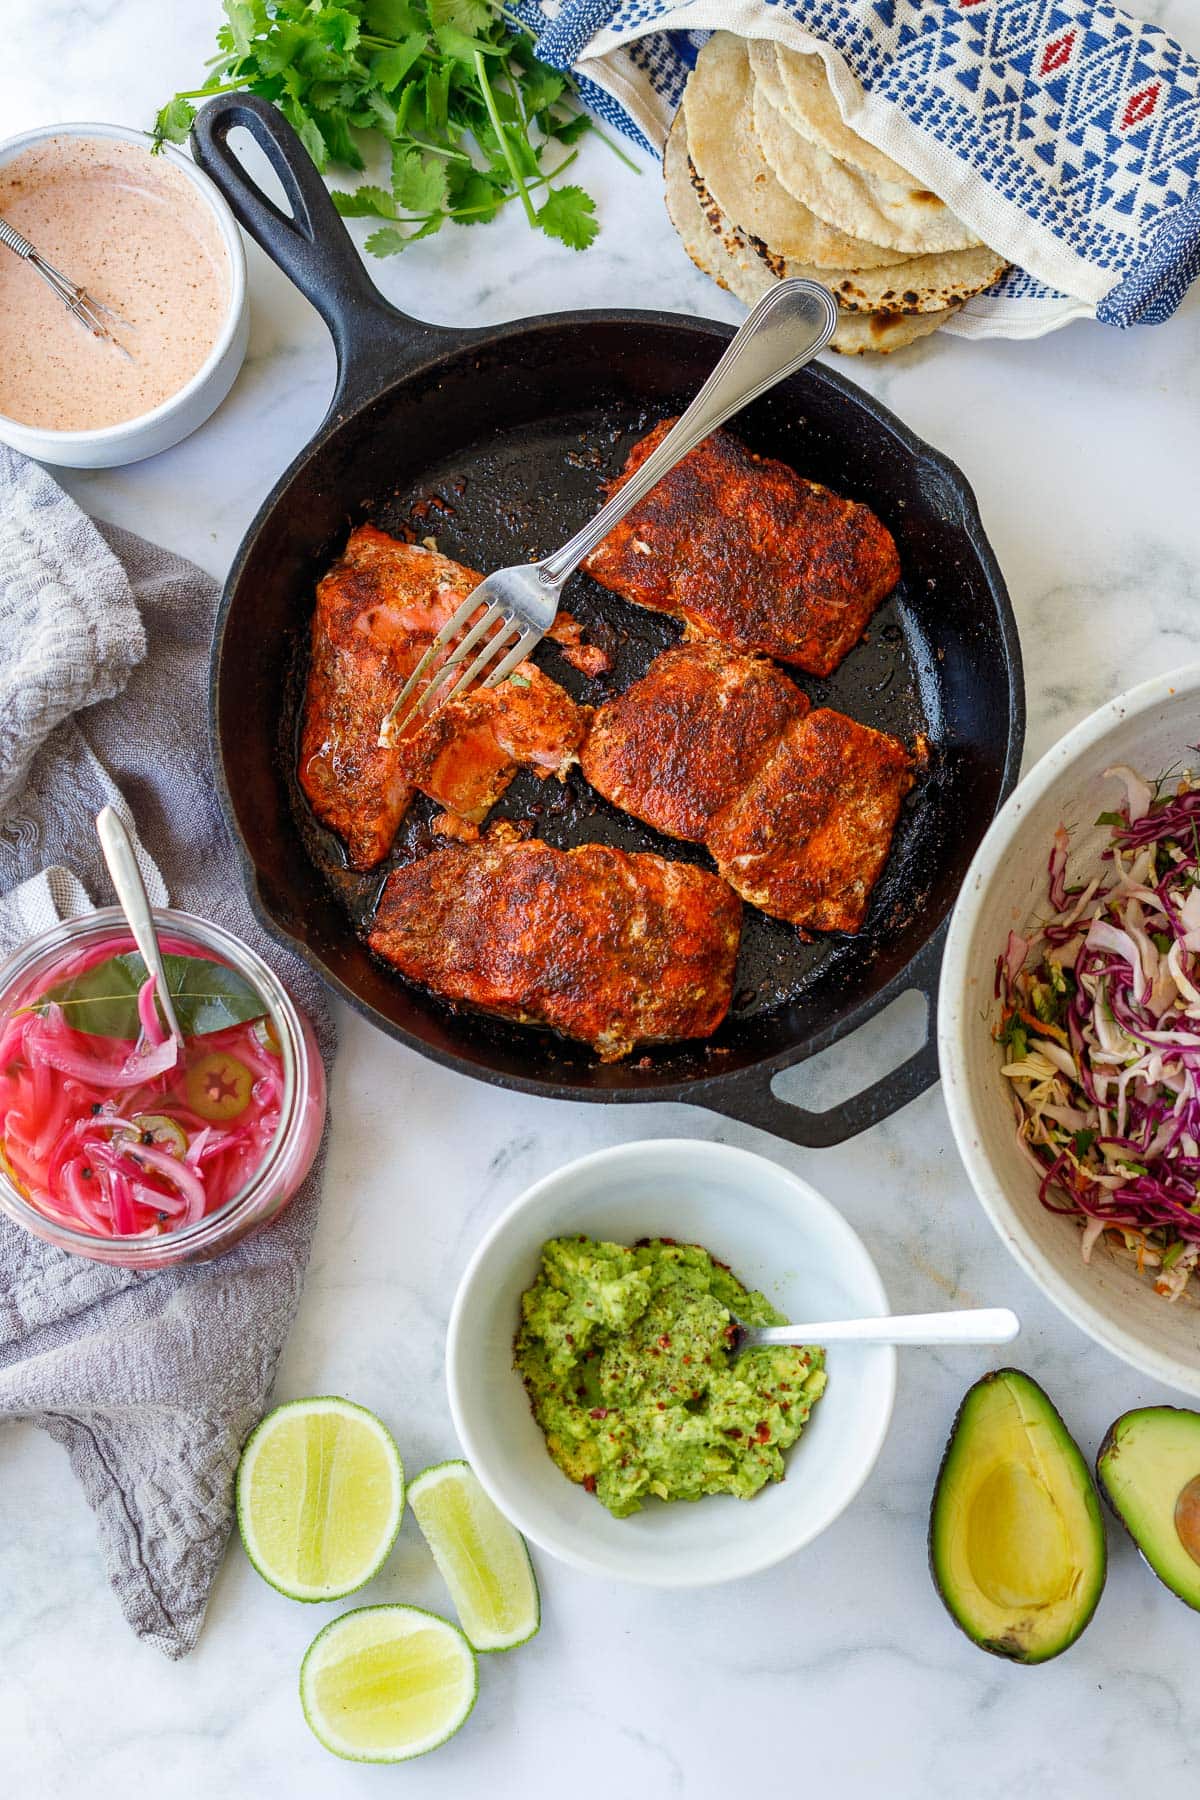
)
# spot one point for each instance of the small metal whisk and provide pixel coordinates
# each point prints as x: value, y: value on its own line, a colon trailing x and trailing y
x: 91, y: 313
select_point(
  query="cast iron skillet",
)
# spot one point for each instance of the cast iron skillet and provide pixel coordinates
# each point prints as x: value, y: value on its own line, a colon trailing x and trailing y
x: 496, y: 441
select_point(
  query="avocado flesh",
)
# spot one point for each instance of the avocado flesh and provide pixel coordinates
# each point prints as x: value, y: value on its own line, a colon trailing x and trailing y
x: 1016, y: 1538
x: 1149, y: 1468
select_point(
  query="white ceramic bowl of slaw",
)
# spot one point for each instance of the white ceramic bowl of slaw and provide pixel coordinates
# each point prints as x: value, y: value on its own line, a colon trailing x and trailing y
x: 131, y: 440
x: 1148, y: 728
x: 777, y: 1234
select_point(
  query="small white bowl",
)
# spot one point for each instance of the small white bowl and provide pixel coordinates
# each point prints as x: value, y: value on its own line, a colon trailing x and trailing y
x: 777, y: 1234
x: 108, y: 446
x: 1149, y: 728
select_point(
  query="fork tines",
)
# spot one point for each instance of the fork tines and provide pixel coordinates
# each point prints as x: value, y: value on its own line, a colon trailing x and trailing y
x: 497, y: 631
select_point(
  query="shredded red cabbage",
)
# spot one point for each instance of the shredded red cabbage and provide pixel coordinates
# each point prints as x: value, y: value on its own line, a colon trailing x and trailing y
x: 1100, y: 1023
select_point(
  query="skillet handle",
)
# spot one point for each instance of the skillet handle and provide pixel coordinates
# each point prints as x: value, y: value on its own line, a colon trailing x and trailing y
x: 313, y: 248
x: 745, y: 1097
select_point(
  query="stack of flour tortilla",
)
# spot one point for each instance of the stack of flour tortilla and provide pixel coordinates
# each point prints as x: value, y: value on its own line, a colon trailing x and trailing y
x: 765, y: 180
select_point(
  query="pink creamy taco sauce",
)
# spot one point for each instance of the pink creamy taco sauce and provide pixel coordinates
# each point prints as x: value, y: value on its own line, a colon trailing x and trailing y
x: 132, y: 230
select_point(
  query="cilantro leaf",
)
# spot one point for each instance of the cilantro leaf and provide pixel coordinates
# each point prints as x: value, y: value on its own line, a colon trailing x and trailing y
x: 458, y: 48
x: 245, y: 20
x: 309, y: 133
x: 567, y: 214
x: 437, y: 99
x: 475, y: 198
x: 364, y: 202
x: 389, y: 242
x: 569, y: 131
x: 541, y: 88
x: 340, y: 28
x: 174, y: 121
x: 471, y: 17
x: 419, y: 183
x: 389, y: 67
x: 335, y: 130
x: 391, y: 18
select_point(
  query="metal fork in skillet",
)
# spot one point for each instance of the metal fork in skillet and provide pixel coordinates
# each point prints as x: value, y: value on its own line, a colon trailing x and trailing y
x: 786, y: 329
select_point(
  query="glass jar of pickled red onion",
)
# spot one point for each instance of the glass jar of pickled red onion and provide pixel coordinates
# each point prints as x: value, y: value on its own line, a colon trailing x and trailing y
x: 116, y: 1141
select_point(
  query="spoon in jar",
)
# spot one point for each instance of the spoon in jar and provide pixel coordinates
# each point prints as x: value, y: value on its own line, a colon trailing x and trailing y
x: 975, y: 1325
x: 134, y: 902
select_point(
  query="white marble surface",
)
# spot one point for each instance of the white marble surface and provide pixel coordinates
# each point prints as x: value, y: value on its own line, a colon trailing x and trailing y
x: 839, y: 1671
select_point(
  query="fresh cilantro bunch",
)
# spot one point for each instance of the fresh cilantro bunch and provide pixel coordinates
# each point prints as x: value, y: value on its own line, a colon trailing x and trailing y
x: 471, y: 119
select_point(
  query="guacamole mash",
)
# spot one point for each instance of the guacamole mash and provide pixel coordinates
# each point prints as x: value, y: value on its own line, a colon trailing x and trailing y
x: 625, y: 1356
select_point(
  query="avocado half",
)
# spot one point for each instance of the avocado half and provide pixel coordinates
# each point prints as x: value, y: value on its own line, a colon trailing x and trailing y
x: 1016, y: 1536
x: 1149, y: 1470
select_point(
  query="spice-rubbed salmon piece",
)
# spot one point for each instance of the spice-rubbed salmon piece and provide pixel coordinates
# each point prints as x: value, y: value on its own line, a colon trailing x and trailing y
x: 377, y: 610
x: 808, y: 837
x: 679, y: 744
x: 745, y: 550
x: 468, y: 752
x: 609, y: 947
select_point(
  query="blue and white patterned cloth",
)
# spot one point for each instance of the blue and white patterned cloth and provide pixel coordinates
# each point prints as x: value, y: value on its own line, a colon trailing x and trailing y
x: 1067, y: 134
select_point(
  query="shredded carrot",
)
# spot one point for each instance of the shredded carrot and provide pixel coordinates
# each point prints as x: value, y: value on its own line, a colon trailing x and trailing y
x: 1040, y: 1025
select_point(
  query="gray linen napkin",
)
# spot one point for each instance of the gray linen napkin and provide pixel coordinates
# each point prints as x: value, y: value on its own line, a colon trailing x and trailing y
x: 151, y: 1381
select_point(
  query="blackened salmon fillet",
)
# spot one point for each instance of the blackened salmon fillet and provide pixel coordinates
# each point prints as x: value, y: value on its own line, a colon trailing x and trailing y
x: 607, y: 946
x: 682, y: 742
x: 378, y: 609
x: 808, y: 837
x: 745, y: 550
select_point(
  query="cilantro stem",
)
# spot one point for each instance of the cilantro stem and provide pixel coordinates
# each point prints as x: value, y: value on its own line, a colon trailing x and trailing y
x: 493, y: 112
x: 206, y: 93
x: 514, y: 88
x: 614, y: 147
x: 440, y: 150
x: 466, y: 212
x: 518, y: 25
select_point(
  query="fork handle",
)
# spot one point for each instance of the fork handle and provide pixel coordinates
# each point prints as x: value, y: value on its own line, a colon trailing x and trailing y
x: 787, y: 328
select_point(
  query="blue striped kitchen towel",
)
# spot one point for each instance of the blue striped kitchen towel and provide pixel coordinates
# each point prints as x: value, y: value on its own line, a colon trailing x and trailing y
x: 1065, y: 133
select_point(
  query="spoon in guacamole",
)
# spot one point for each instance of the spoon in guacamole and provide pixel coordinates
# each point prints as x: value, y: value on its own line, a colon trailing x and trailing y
x: 971, y: 1325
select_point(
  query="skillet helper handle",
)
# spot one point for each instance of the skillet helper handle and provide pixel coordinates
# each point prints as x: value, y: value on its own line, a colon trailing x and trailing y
x: 745, y: 1096
x: 313, y: 247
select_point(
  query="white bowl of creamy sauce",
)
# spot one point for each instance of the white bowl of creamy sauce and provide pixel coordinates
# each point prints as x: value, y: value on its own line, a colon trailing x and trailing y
x: 150, y: 238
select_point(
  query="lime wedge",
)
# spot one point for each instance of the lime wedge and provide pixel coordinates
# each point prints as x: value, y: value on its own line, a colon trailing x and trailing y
x: 384, y: 1683
x: 483, y: 1559
x: 320, y: 1494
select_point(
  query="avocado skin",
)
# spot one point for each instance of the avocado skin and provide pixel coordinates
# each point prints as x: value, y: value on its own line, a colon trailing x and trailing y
x: 1109, y: 1444
x: 1012, y: 1648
